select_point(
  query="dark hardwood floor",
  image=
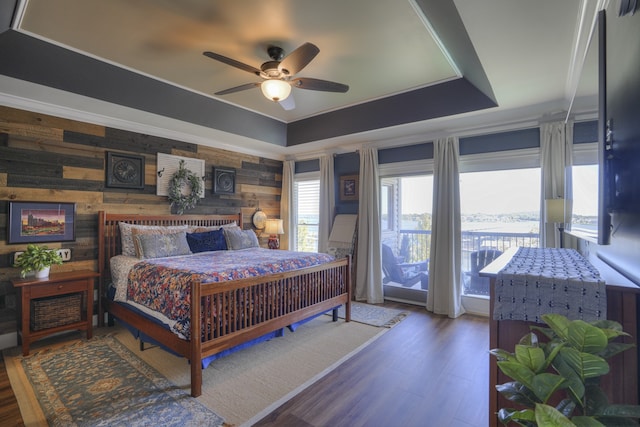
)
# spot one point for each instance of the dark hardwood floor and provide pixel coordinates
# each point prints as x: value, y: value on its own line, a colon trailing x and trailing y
x: 9, y: 411
x: 426, y: 371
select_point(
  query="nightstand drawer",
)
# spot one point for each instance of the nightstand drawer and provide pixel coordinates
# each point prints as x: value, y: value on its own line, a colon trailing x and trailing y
x: 46, y: 290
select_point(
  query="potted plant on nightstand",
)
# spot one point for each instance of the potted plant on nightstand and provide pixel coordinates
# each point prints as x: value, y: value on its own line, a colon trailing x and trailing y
x: 38, y: 259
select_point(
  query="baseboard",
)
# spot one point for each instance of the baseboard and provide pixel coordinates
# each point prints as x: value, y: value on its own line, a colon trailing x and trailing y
x: 8, y: 340
x: 406, y: 301
x: 477, y: 305
x: 11, y: 339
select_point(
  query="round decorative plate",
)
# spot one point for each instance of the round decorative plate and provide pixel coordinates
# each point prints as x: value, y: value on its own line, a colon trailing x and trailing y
x: 125, y: 170
x: 259, y: 219
x: 224, y: 182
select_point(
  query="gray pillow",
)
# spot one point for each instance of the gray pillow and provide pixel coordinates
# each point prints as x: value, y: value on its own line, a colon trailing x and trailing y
x: 162, y: 245
x: 240, y: 239
x: 128, y: 230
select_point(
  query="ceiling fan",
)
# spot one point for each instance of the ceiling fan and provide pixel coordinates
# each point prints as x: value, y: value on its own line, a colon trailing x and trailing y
x: 278, y: 74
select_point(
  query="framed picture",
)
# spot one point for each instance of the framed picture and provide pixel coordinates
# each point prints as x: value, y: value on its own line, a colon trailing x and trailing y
x: 125, y: 171
x: 349, y: 187
x: 38, y: 222
x: 224, y: 181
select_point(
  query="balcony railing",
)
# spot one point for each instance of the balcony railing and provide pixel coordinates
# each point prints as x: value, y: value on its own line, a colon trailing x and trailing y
x: 415, y: 246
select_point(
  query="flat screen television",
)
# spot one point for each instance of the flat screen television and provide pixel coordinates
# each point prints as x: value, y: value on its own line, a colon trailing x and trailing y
x: 604, y: 137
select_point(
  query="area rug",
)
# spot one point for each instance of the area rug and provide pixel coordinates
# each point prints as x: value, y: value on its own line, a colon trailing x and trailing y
x: 240, y: 388
x: 246, y: 386
x: 99, y: 382
x: 373, y: 315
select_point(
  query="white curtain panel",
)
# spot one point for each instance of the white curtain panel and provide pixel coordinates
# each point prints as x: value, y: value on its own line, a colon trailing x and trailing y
x: 369, y: 263
x: 568, y: 173
x: 445, y: 287
x: 556, y: 146
x: 287, y: 213
x: 327, y: 201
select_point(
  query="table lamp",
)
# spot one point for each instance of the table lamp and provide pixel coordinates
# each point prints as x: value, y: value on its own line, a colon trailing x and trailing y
x: 274, y: 227
x: 554, y: 213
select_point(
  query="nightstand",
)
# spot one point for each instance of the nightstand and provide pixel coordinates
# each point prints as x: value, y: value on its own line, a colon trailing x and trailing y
x: 61, y: 302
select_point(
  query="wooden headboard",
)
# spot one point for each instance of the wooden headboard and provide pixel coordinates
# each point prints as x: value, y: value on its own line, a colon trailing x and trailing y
x: 109, y: 244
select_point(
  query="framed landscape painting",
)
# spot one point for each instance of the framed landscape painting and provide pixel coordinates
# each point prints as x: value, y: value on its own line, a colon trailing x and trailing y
x: 38, y: 222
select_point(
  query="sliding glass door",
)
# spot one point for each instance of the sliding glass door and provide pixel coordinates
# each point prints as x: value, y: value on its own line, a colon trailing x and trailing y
x: 406, y: 236
x: 500, y: 209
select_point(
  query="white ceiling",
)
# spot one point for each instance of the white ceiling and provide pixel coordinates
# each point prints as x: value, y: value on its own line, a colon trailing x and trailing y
x: 531, y: 51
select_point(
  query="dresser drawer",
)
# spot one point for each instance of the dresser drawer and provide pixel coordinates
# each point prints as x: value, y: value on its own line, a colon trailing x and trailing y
x: 50, y: 289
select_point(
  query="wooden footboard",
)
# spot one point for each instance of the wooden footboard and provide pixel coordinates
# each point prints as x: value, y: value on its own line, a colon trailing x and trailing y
x: 231, y: 312
x: 238, y: 311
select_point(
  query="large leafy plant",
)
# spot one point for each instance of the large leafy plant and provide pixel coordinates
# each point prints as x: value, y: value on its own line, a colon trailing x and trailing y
x: 556, y: 382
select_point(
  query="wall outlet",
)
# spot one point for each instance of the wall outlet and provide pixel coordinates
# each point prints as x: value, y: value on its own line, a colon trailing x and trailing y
x: 64, y: 253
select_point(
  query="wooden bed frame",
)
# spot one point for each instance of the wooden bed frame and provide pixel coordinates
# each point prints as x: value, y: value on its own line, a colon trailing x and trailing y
x: 248, y: 308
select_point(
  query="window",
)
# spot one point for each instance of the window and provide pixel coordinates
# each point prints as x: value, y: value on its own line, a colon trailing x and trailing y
x: 307, y: 211
x: 386, y: 205
x: 406, y: 235
x: 499, y: 209
x: 584, y: 219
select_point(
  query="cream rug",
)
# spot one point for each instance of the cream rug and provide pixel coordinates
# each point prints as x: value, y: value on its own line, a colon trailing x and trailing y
x: 247, y: 385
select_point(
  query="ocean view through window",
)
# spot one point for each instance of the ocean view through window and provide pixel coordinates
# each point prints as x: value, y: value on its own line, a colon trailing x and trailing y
x: 499, y: 209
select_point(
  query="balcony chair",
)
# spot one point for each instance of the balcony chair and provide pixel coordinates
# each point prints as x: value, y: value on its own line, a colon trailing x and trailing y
x: 406, y: 274
x: 475, y: 284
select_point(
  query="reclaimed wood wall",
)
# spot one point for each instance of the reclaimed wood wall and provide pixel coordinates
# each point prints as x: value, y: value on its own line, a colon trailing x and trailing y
x: 50, y: 159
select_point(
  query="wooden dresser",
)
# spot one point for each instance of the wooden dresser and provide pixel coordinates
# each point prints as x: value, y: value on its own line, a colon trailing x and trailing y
x: 621, y: 384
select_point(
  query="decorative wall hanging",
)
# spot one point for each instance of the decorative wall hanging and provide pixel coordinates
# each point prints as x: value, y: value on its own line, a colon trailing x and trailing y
x: 184, y: 189
x: 124, y: 171
x: 259, y: 219
x: 37, y: 222
x: 349, y: 187
x: 168, y: 164
x: 224, y: 181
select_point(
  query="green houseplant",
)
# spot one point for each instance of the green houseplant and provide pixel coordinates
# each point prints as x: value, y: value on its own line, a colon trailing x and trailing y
x: 37, y: 259
x: 556, y: 382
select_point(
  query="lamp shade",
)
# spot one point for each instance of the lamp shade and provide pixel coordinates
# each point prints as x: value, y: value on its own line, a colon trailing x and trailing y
x: 274, y: 226
x: 276, y: 90
x: 554, y: 210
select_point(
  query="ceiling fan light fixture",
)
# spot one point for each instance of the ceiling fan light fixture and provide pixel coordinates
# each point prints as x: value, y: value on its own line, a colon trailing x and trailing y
x: 276, y: 90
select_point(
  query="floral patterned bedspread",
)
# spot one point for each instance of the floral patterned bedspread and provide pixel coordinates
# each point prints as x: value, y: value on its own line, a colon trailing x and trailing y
x: 163, y: 284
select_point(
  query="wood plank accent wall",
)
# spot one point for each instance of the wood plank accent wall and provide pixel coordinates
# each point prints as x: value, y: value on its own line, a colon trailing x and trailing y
x: 50, y: 159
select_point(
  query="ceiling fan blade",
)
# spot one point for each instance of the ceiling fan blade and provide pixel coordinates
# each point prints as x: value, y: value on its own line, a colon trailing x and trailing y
x: 237, y: 88
x: 317, y: 84
x: 232, y: 62
x: 288, y: 103
x: 298, y: 59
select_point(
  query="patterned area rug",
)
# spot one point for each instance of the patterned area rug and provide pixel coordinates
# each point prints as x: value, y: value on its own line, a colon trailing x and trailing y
x: 374, y: 315
x: 99, y: 383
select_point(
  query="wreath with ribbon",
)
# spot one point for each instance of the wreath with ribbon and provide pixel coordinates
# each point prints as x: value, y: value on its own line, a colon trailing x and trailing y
x: 182, y: 177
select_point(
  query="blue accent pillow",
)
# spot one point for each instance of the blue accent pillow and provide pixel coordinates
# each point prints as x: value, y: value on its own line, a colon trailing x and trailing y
x: 208, y: 241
